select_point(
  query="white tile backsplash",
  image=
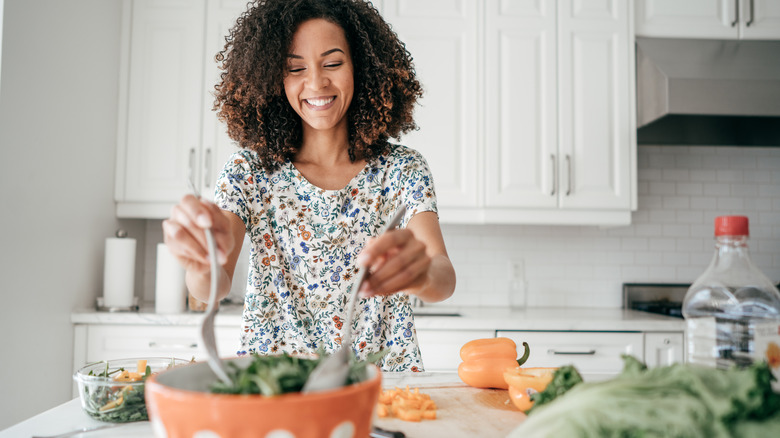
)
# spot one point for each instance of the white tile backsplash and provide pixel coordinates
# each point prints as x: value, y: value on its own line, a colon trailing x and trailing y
x: 681, y: 190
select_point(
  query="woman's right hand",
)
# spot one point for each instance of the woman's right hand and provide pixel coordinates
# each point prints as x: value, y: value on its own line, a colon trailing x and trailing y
x: 185, y: 237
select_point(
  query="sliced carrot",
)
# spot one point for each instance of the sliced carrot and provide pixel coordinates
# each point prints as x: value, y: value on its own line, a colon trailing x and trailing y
x: 406, y: 404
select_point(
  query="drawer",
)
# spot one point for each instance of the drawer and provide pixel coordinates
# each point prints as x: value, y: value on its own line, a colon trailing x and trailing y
x: 105, y: 342
x: 596, y: 355
x: 440, y: 349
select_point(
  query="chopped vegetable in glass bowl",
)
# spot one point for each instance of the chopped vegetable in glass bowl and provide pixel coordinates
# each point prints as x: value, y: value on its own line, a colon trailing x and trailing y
x: 113, y: 391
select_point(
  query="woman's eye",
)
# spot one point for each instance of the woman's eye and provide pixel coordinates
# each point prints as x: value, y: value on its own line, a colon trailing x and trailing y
x: 295, y: 69
x: 333, y: 64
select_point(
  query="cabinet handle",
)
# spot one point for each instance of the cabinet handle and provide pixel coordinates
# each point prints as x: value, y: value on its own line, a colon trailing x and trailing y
x: 752, y: 9
x: 736, y: 13
x: 191, y: 170
x: 153, y: 344
x: 568, y: 170
x: 570, y: 353
x: 207, y: 169
x: 554, y: 175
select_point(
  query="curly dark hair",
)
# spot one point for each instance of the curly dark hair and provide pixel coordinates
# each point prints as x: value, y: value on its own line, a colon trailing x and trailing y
x: 250, y: 96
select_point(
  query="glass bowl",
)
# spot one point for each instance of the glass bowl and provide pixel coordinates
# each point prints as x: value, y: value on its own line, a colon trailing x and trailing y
x: 113, y: 391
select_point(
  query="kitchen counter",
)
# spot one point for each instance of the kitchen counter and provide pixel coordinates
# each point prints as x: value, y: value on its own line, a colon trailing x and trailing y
x: 464, y: 412
x: 437, y: 318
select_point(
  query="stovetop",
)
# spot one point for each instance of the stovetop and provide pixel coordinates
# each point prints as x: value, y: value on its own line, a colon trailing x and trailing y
x: 659, y: 298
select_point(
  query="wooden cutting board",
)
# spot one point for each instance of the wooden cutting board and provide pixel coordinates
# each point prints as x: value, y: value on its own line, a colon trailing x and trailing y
x: 462, y: 411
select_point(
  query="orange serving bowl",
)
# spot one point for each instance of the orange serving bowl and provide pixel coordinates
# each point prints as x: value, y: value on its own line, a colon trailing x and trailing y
x: 180, y: 405
x: 523, y: 382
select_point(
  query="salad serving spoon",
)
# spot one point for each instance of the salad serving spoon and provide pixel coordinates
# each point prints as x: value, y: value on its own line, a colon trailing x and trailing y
x: 332, y: 372
x: 207, y: 326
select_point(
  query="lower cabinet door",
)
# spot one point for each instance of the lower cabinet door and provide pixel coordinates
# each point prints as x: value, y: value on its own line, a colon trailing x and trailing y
x: 596, y: 355
x: 440, y: 349
x: 106, y: 342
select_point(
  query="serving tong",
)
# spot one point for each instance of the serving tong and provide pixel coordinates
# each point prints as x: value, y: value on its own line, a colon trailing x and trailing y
x: 207, y: 325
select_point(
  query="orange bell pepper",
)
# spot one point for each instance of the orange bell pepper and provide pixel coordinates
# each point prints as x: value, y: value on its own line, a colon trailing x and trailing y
x: 485, y: 360
x: 523, y: 382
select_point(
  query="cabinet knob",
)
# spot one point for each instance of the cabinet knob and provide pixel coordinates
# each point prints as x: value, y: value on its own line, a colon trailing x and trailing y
x: 554, y: 175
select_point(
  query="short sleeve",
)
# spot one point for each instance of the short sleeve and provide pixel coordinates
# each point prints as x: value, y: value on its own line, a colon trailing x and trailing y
x: 419, y: 194
x: 235, y: 189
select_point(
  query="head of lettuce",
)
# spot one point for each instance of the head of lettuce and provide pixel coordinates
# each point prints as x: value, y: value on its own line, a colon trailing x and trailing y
x: 680, y: 400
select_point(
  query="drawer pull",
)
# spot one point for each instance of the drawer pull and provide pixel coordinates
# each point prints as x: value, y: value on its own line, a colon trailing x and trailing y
x: 153, y: 344
x: 580, y: 353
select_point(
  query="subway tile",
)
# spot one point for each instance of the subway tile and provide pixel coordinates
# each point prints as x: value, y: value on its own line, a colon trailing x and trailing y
x: 732, y: 204
x: 717, y: 189
x: 704, y: 175
x: 689, y: 188
x: 676, y: 202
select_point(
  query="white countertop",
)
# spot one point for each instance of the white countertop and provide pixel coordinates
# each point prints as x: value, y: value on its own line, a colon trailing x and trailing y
x: 472, y: 318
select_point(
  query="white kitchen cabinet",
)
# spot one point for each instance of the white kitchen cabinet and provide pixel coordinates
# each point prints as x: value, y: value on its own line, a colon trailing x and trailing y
x: 663, y: 349
x: 559, y: 126
x: 555, y: 142
x: 711, y: 19
x: 596, y: 355
x: 95, y: 342
x: 440, y: 349
x: 167, y: 130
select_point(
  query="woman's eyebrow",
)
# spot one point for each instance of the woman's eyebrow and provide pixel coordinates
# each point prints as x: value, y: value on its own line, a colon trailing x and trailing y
x: 325, y: 53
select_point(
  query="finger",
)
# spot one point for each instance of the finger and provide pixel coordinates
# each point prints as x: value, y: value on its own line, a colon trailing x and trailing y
x: 412, y: 275
x: 182, y: 244
x: 379, y: 245
x: 181, y: 215
x: 407, y: 258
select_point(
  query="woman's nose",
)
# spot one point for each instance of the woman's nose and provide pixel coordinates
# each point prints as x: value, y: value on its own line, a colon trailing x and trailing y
x: 317, y: 79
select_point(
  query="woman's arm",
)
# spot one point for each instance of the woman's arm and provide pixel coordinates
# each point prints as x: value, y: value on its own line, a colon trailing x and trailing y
x: 184, y: 235
x: 413, y: 260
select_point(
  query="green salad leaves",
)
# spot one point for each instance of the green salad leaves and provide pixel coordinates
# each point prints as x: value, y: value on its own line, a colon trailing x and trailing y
x: 282, y: 374
x: 681, y: 400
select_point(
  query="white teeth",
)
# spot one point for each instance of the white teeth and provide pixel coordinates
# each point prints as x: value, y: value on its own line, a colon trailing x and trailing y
x: 320, y: 102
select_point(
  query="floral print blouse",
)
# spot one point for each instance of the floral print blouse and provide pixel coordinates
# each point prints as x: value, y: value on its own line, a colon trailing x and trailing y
x: 304, y: 243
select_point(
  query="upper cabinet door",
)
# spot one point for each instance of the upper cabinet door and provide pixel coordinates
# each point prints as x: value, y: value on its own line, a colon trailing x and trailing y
x: 595, y: 105
x: 442, y: 37
x: 521, y: 104
x: 760, y: 19
x: 687, y: 19
x: 160, y: 137
x: 716, y: 19
x: 217, y: 146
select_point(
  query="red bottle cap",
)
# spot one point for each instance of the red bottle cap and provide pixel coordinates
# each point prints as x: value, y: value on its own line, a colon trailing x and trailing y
x: 731, y: 226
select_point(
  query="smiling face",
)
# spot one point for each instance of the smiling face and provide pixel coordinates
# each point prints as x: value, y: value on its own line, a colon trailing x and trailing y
x: 319, y: 81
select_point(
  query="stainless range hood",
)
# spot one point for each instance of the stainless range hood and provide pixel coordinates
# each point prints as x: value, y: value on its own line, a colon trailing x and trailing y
x: 708, y: 92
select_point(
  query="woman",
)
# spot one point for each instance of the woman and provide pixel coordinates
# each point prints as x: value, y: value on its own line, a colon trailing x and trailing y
x: 312, y: 90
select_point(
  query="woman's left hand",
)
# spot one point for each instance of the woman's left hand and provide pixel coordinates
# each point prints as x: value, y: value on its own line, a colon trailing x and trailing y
x: 396, y: 261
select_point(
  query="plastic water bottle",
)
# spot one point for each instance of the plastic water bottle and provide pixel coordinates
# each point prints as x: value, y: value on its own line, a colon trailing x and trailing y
x: 732, y: 310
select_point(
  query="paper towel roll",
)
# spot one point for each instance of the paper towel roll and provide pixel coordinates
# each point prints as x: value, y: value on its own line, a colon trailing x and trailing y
x: 119, y: 272
x: 170, y: 290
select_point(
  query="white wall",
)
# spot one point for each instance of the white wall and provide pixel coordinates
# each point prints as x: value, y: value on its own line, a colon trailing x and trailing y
x: 58, y: 109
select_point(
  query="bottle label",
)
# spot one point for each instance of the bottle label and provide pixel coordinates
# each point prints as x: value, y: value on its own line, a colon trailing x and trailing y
x: 702, y: 341
x: 767, y: 347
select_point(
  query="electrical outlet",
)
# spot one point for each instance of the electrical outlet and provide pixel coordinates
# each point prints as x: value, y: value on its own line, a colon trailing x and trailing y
x: 517, y: 293
x: 516, y: 272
